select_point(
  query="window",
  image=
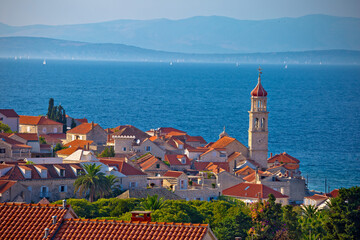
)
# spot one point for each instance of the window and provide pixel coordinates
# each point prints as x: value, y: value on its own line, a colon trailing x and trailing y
x: 44, y: 130
x: 148, y: 148
x: 1, y: 119
x: 62, y: 173
x: 256, y: 123
x: 28, y: 129
x: 55, y: 130
x: 63, y: 188
x: 29, y: 188
x: 124, y: 149
x: 157, y: 165
x: 2, y: 150
x: 222, y: 155
x: 132, y: 185
x: 73, y: 137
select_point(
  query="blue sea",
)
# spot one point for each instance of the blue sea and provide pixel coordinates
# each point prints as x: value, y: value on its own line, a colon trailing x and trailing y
x: 314, y: 109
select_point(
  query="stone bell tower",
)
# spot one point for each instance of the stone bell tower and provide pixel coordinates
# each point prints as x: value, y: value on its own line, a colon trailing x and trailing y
x: 258, y: 125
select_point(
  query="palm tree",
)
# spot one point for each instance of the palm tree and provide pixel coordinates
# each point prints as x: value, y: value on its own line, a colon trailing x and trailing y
x: 309, y: 210
x: 113, y: 185
x: 93, y: 182
x: 152, y: 203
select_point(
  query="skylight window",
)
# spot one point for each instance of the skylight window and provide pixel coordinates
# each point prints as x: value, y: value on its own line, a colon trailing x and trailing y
x: 247, y: 188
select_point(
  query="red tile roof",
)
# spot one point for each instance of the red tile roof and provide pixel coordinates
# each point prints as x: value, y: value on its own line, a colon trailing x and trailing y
x: 251, y: 176
x: 334, y: 193
x: 251, y: 190
x: 317, y: 197
x: 218, y: 167
x: 79, y: 143
x: 12, y: 142
x: 27, y: 136
x: 28, y: 221
x: 174, y: 174
x: 68, y: 151
x: 82, y: 120
x: 223, y: 142
x: 37, y: 120
x: 166, y: 130
x: 10, y: 113
x: 122, y: 167
x: 173, y: 159
x: 147, y: 162
x: 111, y: 229
x: 233, y: 156
x: 195, y: 139
x: 283, y: 158
x: 83, y: 128
x: 129, y: 130
x: 5, y: 185
x: 15, y: 173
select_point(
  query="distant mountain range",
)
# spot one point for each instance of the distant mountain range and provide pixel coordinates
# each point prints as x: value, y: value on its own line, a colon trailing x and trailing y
x: 46, y: 48
x: 210, y: 34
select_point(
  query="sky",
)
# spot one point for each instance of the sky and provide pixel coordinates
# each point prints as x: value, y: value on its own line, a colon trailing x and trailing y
x: 60, y: 12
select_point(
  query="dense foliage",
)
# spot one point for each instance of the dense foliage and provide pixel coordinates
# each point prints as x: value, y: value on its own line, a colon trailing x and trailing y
x: 57, y: 113
x: 4, y: 128
x: 229, y: 218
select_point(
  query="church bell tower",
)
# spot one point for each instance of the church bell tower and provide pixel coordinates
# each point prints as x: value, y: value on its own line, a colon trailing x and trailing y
x: 258, y: 125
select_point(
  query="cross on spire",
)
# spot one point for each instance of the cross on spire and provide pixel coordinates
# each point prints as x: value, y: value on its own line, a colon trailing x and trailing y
x: 260, y: 72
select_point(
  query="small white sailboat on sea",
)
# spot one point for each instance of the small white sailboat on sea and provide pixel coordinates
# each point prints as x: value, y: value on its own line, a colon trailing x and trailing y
x: 44, y: 62
x: 171, y: 63
x: 285, y: 66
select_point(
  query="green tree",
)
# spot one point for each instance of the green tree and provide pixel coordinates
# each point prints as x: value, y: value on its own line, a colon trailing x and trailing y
x: 93, y: 182
x: 107, y: 152
x: 344, y: 215
x: 115, y: 188
x: 4, y: 128
x: 233, y: 226
x: 73, y: 124
x: 50, y: 108
x: 152, y: 203
x: 42, y: 140
x: 291, y: 221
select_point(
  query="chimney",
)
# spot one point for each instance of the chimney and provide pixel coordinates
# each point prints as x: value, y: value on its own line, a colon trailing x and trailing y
x: 92, y: 124
x: 64, y: 203
x: 271, y: 154
x: 88, y: 146
x: 54, y: 219
x: 141, y: 216
x: 46, y: 233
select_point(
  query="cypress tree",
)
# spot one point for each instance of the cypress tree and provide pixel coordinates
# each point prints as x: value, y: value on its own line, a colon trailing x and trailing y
x: 50, y: 108
x: 73, y: 124
x: 63, y: 120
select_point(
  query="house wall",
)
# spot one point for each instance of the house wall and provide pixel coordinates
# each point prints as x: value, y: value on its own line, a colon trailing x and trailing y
x: 294, y: 188
x: 121, y: 143
x: 227, y: 180
x: 155, y: 149
x: 7, y: 148
x: 45, y: 129
x: 13, y: 123
x: 141, y: 181
x: 236, y: 146
x: 27, y: 128
x: 213, y: 156
x: 154, y: 171
x: 17, y: 190
x: 53, y: 188
x: 71, y: 137
x: 205, y: 194
x: 98, y: 135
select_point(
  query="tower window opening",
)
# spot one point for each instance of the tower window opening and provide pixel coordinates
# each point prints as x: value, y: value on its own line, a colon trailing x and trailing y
x: 263, y: 123
x: 256, y: 123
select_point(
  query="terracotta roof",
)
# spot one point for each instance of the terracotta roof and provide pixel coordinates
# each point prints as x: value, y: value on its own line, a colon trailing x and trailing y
x: 129, y: 130
x: 79, y: 143
x: 245, y: 171
x: 83, y: 128
x: 10, y: 113
x: 175, y: 133
x: 27, y: 136
x: 291, y: 167
x: 153, y: 138
x: 28, y: 221
x: 175, y: 159
x: 174, y: 174
x: 213, y: 149
x: 37, y: 120
x: 317, y: 197
x: 68, y: 151
x: 123, y: 167
x: 233, y: 156
x: 251, y: 190
x: 251, y: 177
x: 16, y: 174
x: 82, y: 120
x: 166, y: 130
x: 283, y: 158
x: 259, y: 91
x: 223, y: 142
x: 195, y: 139
x: 218, y: 167
x: 198, y: 149
x: 148, y: 162
x: 334, y: 193
x: 5, y: 185
x: 110, y: 229
x: 12, y: 142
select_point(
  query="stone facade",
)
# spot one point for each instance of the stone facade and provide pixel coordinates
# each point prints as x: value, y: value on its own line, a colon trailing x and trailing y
x: 40, y: 129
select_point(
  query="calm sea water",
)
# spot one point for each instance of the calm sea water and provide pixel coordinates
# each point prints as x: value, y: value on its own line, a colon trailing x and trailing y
x: 314, y: 110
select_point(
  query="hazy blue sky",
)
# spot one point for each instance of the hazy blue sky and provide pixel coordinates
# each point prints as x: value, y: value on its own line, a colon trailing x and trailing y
x: 55, y: 12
